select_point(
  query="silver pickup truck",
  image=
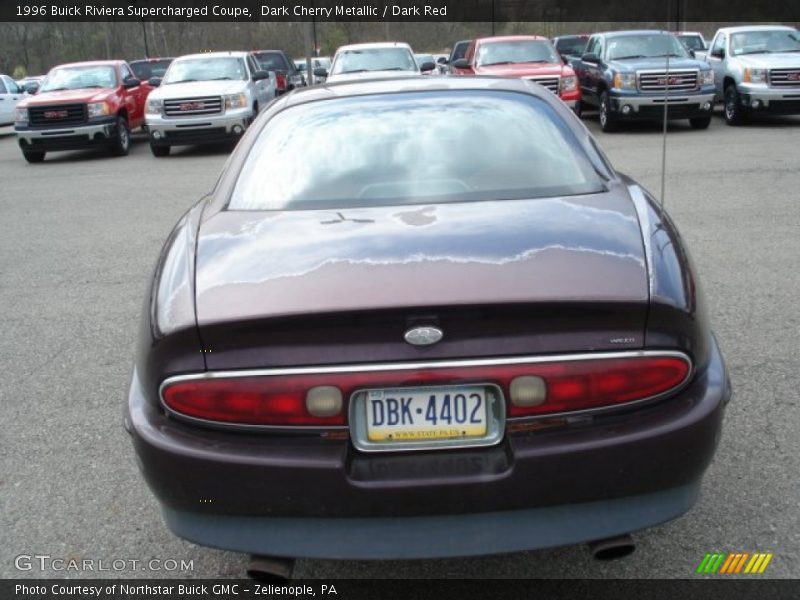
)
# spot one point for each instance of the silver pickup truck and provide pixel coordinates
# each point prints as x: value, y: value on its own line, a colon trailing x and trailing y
x: 756, y: 70
x: 206, y: 98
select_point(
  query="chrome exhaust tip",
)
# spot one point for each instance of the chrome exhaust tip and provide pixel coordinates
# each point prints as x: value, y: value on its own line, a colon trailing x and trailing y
x: 270, y: 568
x: 612, y: 548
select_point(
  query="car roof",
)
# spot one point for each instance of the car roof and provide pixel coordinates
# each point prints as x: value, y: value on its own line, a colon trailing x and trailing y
x: 634, y: 32
x: 510, y: 38
x: 233, y: 53
x: 151, y: 59
x: 373, y: 46
x: 743, y: 28
x: 400, y: 84
x: 93, y: 63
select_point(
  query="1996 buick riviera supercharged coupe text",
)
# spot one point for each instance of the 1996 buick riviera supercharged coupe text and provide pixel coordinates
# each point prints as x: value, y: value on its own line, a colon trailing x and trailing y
x: 375, y: 340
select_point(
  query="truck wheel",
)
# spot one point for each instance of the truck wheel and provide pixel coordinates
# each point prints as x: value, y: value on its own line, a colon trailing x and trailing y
x: 607, y: 121
x: 735, y: 113
x: 33, y: 156
x: 159, y: 150
x: 700, y: 122
x: 121, y: 142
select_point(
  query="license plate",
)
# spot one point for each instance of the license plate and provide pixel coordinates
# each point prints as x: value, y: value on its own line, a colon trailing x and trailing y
x: 399, y: 415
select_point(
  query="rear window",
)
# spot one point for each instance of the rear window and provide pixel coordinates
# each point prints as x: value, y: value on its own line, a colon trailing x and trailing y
x: 145, y: 69
x: 412, y: 148
x: 571, y: 45
x: 271, y: 61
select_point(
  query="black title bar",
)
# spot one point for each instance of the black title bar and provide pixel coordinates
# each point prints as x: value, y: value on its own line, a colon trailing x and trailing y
x: 718, y: 11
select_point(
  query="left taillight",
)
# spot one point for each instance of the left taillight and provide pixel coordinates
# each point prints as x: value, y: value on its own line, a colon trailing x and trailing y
x: 280, y: 79
x: 269, y: 401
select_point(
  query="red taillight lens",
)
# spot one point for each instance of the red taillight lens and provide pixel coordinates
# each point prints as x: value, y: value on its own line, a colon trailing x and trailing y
x: 280, y: 78
x: 273, y: 401
x: 569, y: 385
x: 585, y: 384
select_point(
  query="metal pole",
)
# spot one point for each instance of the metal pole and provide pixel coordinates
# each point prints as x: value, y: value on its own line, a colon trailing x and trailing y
x: 307, y: 37
x: 144, y: 33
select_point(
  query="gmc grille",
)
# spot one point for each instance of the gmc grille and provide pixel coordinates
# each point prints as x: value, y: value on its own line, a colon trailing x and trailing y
x: 785, y: 77
x: 678, y: 81
x: 58, y: 114
x: 188, y: 107
x: 551, y: 83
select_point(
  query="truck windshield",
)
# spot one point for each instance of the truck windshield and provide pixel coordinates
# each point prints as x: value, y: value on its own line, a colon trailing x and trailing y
x: 374, y: 59
x: 765, y: 42
x: 517, y: 52
x: 74, y: 78
x: 647, y: 45
x: 206, y: 69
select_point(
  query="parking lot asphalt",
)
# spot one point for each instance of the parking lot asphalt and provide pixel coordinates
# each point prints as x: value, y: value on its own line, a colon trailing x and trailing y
x: 80, y: 233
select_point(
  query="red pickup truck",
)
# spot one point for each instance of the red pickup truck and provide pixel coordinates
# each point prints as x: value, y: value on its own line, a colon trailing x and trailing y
x: 82, y: 105
x: 522, y: 56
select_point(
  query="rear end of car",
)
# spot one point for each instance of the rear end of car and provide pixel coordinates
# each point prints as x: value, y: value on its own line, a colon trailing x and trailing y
x: 287, y: 75
x: 428, y: 370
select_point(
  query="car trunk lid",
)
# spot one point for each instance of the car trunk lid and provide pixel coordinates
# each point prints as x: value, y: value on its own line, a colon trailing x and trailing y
x: 500, y: 278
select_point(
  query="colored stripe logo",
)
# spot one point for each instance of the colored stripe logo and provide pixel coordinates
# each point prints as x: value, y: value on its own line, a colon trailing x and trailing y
x: 734, y: 563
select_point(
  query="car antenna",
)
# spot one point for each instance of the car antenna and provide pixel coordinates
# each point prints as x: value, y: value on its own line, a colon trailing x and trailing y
x: 664, y: 130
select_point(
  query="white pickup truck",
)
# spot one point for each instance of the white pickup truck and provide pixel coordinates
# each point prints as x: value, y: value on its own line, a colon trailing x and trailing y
x: 756, y: 70
x: 206, y: 98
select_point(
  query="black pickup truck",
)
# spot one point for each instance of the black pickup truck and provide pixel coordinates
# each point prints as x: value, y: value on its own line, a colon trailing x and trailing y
x: 624, y: 74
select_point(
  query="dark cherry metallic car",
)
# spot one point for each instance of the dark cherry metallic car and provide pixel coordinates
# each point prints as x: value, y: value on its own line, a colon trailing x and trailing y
x: 373, y: 340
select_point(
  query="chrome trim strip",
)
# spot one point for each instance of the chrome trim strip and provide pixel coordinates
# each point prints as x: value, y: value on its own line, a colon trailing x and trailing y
x: 371, y: 367
x: 640, y: 204
x: 495, y: 423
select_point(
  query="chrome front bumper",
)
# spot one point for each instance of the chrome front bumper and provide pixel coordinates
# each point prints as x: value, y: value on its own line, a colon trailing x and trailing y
x: 227, y: 120
x: 94, y: 132
x: 638, y: 101
x: 763, y: 97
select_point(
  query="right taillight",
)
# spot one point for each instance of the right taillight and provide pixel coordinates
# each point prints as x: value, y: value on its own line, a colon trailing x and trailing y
x: 587, y: 384
x: 280, y: 79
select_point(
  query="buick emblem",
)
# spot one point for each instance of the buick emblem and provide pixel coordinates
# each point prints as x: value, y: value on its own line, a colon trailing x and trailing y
x: 423, y: 336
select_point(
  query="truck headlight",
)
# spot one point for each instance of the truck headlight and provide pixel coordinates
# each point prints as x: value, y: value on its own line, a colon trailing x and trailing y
x: 98, y: 109
x: 755, y: 75
x: 235, y: 101
x: 21, y: 116
x: 153, y: 107
x: 625, y: 81
x: 569, y: 84
x: 707, y: 77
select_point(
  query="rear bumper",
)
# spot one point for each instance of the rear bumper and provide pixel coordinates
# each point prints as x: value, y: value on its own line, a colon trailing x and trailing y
x: 67, y: 138
x: 387, y: 538
x: 315, y: 497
